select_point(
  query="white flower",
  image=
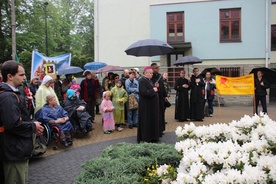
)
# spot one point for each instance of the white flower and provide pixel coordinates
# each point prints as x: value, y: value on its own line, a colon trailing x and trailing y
x: 269, y: 131
x: 185, y: 131
x: 163, y: 169
x: 238, y: 152
x: 179, y: 132
x: 184, y: 178
x: 166, y: 181
x: 254, y: 175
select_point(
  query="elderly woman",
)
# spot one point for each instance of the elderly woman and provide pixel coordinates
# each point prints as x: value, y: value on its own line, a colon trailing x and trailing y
x: 53, y: 113
x: 76, y: 110
x: 43, y: 91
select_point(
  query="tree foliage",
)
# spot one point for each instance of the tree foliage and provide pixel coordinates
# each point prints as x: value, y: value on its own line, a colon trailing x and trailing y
x: 70, y: 28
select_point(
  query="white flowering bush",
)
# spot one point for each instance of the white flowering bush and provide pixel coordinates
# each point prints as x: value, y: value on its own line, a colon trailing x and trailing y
x: 239, y: 152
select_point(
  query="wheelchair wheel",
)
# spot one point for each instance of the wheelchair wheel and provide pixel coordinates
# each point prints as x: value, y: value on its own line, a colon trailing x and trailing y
x: 55, y: 133
x: 55, y: 136
x: 45, y: 137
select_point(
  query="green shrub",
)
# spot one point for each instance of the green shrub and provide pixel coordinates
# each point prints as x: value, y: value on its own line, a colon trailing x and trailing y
x: 127, y: 163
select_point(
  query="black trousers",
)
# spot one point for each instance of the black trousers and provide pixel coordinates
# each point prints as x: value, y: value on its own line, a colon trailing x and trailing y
x: 90, y: 107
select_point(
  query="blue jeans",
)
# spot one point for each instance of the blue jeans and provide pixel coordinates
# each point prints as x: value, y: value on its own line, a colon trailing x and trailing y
x: 263, y: 102
x: 132, y: 117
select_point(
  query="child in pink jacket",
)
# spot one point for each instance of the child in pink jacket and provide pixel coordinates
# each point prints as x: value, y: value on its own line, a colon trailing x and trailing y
x: 107, y: 113
x: 75, y: 86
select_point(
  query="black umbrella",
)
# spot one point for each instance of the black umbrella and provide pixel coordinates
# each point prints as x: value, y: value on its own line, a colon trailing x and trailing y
x: 213, y: 71
x: 149, y: 47
x: 187, y: 60
x: 268, y: 74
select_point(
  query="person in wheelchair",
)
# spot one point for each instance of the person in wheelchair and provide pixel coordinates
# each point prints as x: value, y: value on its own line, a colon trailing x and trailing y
x: 77, y: 112
x: 54, y: 114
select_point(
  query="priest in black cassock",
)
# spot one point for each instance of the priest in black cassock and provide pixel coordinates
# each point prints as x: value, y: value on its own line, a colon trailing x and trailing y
x: 148, y: 115
x: 182, y: 88
x: 158, y: 82
x: 197, y: 96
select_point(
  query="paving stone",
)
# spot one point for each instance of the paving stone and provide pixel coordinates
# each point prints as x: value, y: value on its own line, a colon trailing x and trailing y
x: 64, y: 165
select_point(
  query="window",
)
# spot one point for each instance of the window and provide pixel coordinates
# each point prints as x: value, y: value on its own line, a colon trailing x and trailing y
x: 175, y: 27
x: 230, y: 71
x: 273, y: 37
x: 230, y: 25
x: 273, y: 1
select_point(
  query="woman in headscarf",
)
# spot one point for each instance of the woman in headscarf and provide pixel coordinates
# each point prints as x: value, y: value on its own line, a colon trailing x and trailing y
x: 43, y: 91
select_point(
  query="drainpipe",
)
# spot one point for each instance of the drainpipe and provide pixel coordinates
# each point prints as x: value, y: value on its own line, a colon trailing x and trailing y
x: 266, y: 33
x: 97, y: 31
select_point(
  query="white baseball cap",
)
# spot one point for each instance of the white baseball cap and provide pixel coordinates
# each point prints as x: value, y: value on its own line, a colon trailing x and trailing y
x: 137, y: 69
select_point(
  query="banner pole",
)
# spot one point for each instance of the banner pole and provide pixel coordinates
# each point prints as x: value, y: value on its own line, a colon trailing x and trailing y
x: 219, y: 106
x: 254, y: 104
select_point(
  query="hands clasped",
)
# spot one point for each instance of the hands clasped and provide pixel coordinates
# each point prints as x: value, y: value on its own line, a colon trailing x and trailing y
x: 38, y: 128
x: 185, y: 85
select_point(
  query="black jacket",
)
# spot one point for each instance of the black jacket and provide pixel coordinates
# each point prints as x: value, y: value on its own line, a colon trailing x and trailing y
x: 71, y: 105
x: 16, y: 142
x: 259, y: 89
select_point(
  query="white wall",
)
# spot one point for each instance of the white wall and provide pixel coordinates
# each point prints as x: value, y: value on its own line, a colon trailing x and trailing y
x: 118, y: 24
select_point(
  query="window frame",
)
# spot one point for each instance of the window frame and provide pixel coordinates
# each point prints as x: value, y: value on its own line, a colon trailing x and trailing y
x: 230, y: 71
x: 175, y: 22
x: 230, y: 20
x: 272, y: 48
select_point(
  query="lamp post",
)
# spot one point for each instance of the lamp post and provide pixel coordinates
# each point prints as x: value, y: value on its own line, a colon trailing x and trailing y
x: 46, y: 29
x: 13, y: 31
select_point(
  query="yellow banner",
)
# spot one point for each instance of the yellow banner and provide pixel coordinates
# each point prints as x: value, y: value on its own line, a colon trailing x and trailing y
x: 243, y: 85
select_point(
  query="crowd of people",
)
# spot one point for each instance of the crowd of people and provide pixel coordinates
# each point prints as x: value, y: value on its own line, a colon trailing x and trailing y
x: 198, y: 103
x: 139, y: 100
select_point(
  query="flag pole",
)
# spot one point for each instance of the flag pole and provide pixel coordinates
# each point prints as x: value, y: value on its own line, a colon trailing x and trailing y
x: 254, y: 104
x: 219, y: 106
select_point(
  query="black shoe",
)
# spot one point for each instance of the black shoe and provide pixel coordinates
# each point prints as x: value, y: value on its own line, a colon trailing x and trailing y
x: 199, y: 119
x: 130, y: 126
x: 65, y: 143
x: 70, y: 142
x: 84, y: 131
x: 90, y: 129
x: 135, y: 125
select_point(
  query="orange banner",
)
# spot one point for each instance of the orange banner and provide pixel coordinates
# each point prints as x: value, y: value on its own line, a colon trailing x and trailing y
x: 243, y: 85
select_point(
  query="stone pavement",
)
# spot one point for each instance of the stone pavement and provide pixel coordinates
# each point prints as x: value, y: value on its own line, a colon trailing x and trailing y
x: 64, y: 165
